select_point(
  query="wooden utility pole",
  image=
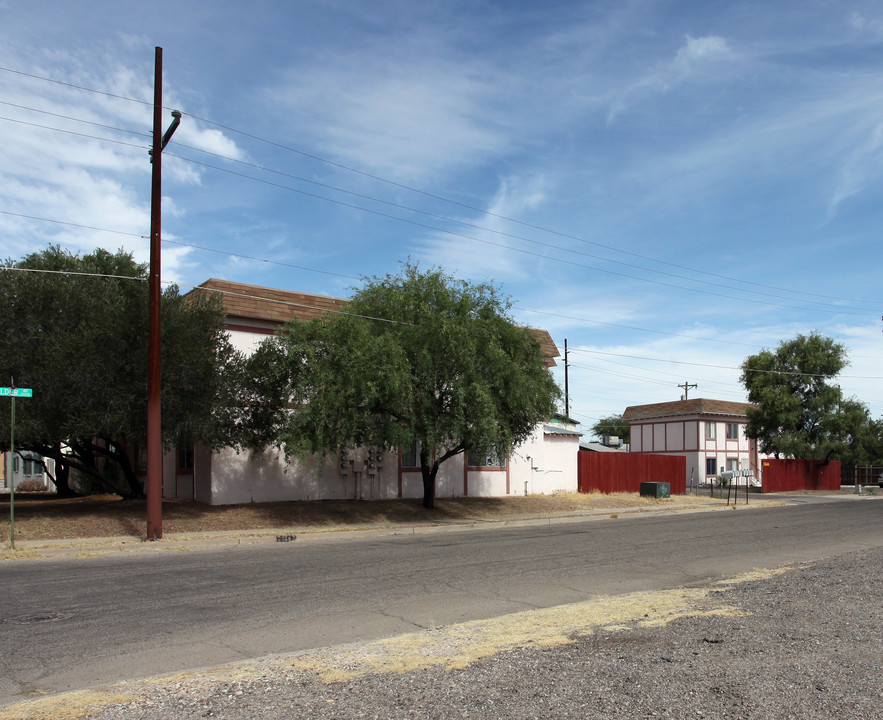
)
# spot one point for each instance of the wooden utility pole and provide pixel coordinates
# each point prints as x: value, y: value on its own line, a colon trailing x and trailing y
x: 154, y: 383
x: 566, y: 394
x: 687, y: 387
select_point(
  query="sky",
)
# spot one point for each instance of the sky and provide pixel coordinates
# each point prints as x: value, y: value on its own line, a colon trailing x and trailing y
x: 667, y: 187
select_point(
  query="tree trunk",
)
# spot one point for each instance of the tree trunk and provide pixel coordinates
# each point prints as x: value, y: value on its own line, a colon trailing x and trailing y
x: 62, y: 479
x: 121, y: 458
x: 428, y: 486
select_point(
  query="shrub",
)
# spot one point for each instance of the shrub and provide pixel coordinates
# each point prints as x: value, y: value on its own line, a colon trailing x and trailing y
x: 31, y: 485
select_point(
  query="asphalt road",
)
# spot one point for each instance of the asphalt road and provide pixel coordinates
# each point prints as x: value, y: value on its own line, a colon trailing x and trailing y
x: 75, y: 623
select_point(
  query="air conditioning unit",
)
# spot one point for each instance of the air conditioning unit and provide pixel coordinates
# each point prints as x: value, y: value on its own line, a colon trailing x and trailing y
x: 611, y: 441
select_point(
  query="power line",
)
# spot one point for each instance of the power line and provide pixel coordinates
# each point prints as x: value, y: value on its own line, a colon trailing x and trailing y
x: 509, y: 247
x: 183, y: 244
x: 429, y: 227
x: 76, y: 134
x: 260, y: 259
x: 71, y: 272
x: 70, y: 224
x: 632, y: 327
x: 455, y: 202
x: 725, y: 367
x: 277, y: 301
x: 456, y: 221
x: 353, y: 277
x: 722, y: 386
x: 76, y: 87
x: 489, y: 213
x: 73, y: 119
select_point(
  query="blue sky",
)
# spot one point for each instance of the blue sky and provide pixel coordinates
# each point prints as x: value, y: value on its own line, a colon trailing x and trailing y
x: 669, y: 186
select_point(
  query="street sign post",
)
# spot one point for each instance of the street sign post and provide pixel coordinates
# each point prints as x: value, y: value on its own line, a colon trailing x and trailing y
x: 12, y: 393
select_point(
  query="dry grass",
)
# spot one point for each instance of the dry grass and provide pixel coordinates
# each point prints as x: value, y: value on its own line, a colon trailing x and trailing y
x: 455, y: 647
x: 49, y: 518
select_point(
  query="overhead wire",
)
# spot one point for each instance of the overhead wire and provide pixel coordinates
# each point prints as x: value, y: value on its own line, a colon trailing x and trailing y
x: 724, y: 367
x: 724, y: 386
x: 509, y: 247
x: 489, y: 213
x: 14, y: 268
x: 451, y: 201
x: 73, y: 132
x: 262, y: 298
x: 456, y: 221
x: 73, y: 119
x: 353, y: 277
x: 438, y: 197
x: 71, y: 224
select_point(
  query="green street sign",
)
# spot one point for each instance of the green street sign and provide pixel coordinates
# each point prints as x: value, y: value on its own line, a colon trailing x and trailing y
x: 16, y: 392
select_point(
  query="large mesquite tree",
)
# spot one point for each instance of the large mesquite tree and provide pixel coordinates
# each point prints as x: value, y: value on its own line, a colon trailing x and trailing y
x: 418, y: 356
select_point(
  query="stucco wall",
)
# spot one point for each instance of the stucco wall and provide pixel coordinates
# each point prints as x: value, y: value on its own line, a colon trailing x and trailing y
x: 547, y: 463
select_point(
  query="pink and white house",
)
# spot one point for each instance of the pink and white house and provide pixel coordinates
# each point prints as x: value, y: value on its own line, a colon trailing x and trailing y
x: 546, y: 463
x: 710, y: 434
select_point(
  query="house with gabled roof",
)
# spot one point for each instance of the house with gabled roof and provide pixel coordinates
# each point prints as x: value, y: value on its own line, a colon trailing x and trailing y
x: 546, y: 463
x: 710, y: 434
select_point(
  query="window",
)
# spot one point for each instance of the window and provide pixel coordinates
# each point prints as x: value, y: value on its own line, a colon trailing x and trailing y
x: 732, y: 464
x: 411, y: 455
x: 710, y: 466
x: 732, y: 431
x: 140, y: 459
x: 710, y: 430
x: 27, y: 464
x: 489, y: 459
x: 185, y: 459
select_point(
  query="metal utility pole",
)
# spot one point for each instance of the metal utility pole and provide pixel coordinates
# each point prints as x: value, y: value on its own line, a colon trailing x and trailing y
x: 154, y: 386
x: 566, y: 394
x: 687, y: 387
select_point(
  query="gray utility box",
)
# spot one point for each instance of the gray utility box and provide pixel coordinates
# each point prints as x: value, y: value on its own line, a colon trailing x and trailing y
x: 655, y: 489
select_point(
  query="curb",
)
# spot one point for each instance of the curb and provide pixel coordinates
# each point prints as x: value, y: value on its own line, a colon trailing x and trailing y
x: 180, y: 542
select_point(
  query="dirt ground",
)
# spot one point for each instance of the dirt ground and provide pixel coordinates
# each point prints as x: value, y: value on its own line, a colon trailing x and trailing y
x: 42, y: 517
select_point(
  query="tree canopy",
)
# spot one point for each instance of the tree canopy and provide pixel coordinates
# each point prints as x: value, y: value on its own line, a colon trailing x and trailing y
x: 613, y: 425
x: 798, y: 411
x: 74, y: 329
x: 416, y: 357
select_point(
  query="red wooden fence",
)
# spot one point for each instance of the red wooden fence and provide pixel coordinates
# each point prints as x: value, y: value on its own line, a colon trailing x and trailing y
x: 785, y: 475
x: 624, y: 472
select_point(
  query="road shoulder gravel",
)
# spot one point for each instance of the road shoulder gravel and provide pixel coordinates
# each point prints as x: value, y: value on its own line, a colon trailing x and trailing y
x: 799, y: 642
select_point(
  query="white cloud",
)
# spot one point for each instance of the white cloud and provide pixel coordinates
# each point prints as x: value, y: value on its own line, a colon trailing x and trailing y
x: 478, y: 250
x: 695, y: 56
x: 696, y: 50
x: 860, y: 167
x: 408, y: 118
x: 59, y: 161
x: 208, y: 139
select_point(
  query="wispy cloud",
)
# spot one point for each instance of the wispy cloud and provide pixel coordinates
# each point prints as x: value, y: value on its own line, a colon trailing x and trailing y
x: 73, y: 156
x: 409, y: 119
x: 697, y: 56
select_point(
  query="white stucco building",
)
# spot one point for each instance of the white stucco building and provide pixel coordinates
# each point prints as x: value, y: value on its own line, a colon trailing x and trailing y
x: 26, y: 467
x: 546, y: 463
